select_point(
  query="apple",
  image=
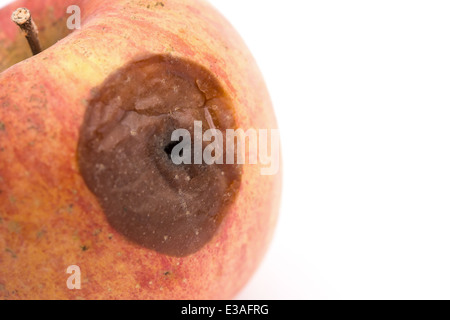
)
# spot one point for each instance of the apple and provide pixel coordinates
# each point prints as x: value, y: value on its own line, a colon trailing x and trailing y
x: 86, y: 175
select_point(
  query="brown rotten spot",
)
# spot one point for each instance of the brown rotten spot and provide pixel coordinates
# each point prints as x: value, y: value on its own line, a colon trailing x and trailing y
x: 125, y: 154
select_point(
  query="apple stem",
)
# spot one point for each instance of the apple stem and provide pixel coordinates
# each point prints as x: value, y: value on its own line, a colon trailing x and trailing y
x: 22, y: 17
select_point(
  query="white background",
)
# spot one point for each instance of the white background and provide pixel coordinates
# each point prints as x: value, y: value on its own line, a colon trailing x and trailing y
x: 362, y: 94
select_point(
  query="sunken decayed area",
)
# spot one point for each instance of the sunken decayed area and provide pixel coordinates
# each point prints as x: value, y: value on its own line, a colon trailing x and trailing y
x: 125, y: 146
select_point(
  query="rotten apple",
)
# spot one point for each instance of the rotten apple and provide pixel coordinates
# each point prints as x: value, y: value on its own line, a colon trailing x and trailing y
x: 86, y: 176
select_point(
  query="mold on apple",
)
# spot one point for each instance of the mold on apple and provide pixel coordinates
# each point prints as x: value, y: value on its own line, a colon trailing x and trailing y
x: 125, y: 146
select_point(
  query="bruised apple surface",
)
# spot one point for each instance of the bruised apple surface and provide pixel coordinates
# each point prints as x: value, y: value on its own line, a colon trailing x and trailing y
x: 86, y: 175
x: 125, y: 154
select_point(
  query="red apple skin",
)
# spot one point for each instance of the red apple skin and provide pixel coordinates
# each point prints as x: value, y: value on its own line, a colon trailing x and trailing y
x: 50, y: 220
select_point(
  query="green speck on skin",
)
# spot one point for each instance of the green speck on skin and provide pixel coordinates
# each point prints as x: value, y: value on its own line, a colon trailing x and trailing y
x: 12, y: 199
x: 169, y: 49
x: 13, y: 254
x: 160, y: 4
x: 40, y: 234
x: 84, y: 248
x: 68, y: 209
x: 97, y: 232
x: 110, y: 236
x: 14, y: 226
x: 167, y: 273
x: 2, y: 126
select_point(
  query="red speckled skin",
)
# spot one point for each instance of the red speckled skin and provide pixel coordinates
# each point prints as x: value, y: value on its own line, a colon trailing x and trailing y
x: 49, y: 220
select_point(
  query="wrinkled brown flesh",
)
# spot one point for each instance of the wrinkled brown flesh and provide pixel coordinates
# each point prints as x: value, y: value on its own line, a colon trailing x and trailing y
x: 122, y: 154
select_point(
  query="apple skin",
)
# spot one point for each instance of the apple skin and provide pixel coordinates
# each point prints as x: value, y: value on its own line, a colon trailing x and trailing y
x: 50, y: 220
